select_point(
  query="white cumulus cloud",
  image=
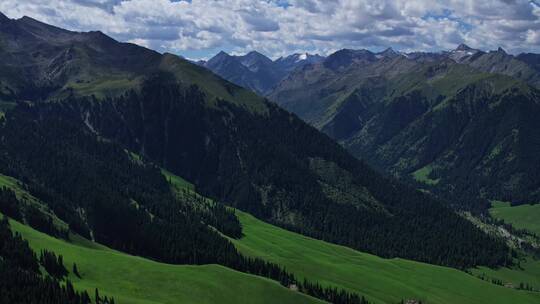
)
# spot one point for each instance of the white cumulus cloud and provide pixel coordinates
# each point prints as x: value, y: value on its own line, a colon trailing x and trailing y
x: 279, y: 27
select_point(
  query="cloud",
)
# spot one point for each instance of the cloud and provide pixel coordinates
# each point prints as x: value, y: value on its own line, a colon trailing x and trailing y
x: 278, y: 27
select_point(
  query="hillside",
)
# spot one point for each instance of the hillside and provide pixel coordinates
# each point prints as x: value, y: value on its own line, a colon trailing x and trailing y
x: 458, y: 131
x: 234, y: 146
x: 381, y: 280
x: 131, y: 279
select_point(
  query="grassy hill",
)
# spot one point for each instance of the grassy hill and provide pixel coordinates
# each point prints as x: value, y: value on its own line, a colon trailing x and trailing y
x: 522, y: 216
x: 528, y: 272
x: 381, y: 280
x: 131, y: 279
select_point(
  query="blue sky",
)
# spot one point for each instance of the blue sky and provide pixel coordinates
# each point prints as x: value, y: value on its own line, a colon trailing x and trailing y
x: 200, y: 28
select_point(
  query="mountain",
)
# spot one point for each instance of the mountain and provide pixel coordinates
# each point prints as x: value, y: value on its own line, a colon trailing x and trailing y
x: 255, y: 71
x: 91, y: 140
x: 294, y: 61
x: 501, y: 62
x: 464, y: 53
x: 344, y: 58
x: 453, y: 121
x: 531, y: 59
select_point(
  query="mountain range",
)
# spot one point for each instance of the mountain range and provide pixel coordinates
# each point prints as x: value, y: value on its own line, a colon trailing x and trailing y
x: 255, y: 71
x: 458, y: 122
x: 260, y: 74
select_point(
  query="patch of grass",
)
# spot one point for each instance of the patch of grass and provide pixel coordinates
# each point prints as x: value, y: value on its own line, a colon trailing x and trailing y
x: 16, y: 186
x: 528, y: 271
x: 177, y: 182
x: 422, y: 175
x: 380, y: 280
x: 105, y: 86
x: 131, y: 279
x: 521, y: 217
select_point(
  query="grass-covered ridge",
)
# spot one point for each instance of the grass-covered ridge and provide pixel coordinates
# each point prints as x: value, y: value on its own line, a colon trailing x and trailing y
x: 131, y: 279
x: 381, y: 280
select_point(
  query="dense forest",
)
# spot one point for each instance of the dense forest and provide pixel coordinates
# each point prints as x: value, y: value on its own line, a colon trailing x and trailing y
x: 134, y: 210
x: 69, y: 173
x: 234, y: 156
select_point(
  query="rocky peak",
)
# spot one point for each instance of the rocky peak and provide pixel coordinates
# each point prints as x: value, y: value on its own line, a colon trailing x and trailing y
x: 463, y: 47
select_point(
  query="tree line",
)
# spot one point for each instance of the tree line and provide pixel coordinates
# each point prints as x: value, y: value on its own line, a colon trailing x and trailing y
x: 20, y: 277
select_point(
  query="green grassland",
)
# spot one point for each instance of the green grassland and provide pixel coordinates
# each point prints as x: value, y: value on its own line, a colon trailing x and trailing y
x: 422, y: 175
x: 111, y: 85
x: 528, y: 271
x: 177, y: 182
x: 381, y: 280
x: 522, y: 217
x: 131, y: 279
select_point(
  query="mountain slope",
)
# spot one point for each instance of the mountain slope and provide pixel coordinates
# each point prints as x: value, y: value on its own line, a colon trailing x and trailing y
x: 231, y: 144
x: 452, y: 126
x: 131, y: 279
x: 381, y: 280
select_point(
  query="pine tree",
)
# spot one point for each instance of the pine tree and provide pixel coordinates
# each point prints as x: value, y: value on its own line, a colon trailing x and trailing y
x: 76, y: 271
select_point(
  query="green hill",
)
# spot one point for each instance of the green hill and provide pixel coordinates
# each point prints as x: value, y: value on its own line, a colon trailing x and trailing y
x: 131, y: 279
x: 381, y: 280
x: 134, y: 279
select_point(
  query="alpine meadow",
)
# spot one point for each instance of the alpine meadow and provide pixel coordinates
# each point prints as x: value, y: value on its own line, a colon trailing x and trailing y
x: 265, y: 151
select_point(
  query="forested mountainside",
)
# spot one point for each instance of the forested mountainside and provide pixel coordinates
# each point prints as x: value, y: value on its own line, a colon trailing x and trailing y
x: 457, y: 130
x: 65, y: 133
